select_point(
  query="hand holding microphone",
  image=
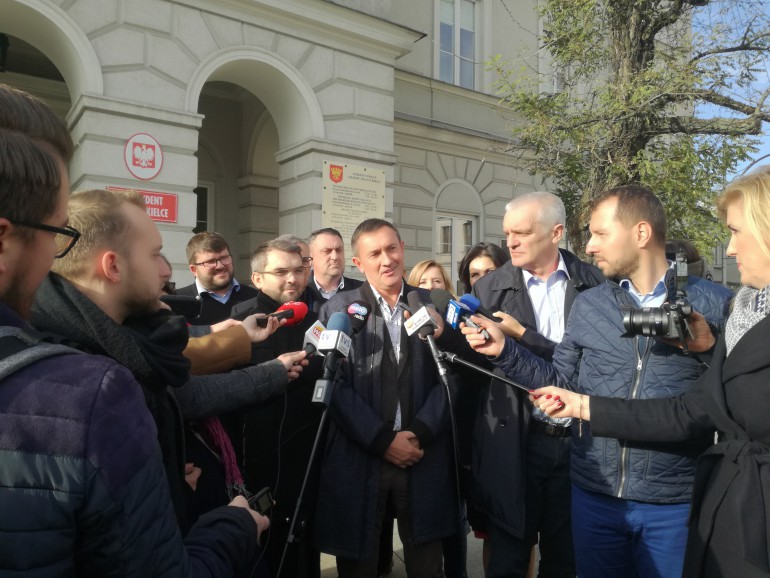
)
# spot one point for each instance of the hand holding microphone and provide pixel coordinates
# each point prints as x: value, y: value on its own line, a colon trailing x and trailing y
x: 455, y: 312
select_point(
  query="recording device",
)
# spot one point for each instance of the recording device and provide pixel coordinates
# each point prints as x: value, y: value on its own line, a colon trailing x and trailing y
x: 454, y: 311
x: 312, y: 337
x: 420, y: 320
x: 472, y: 303
x: 293, y: 311
x: 669, y: 320
x: 262, y: 501
x: 334, y: 343
x: 358, y: 313
x: 188, y: 306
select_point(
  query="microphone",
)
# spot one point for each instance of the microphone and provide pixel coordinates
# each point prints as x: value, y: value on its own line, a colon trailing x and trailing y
x: 420, y: 320
x: 312, y: 337
x: 472, y: 303
x: 188, y: 306
x: 358, y: 312
x: 293, y: 311
x: 335, y: 344
x: 454, y: 311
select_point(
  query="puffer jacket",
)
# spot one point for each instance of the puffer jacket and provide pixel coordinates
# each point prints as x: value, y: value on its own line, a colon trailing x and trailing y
x: 82, y: 484
x: 596, y: 357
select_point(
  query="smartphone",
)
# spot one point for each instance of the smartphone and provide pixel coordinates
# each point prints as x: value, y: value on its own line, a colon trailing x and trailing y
x: 262, y: 501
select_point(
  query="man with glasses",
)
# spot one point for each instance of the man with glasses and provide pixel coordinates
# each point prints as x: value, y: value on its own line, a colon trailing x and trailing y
x: 211, y: 262
x: 82, y: 472
x: 276, y: 436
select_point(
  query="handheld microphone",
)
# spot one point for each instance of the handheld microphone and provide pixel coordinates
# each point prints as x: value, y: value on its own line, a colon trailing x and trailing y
x: 475, y: 306
x: 358, y: 312
x: 454, y: 311
x: 188, y: 306
x: 312, y: 337
x: 420, y: 320
x: 293, y: 311
x: 335, y: 344
x: 426, y: 331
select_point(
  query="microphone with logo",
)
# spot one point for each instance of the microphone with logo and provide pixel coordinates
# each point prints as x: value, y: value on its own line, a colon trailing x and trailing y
x: 358, y: 312
x: 312, y: 338
x: 293, y: 311
x: 454, y: 311
x: 476, y: 308
x: 421, y: 322
x: 334, y: 343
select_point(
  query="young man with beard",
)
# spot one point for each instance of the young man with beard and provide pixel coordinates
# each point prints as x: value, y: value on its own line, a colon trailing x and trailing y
x: 630, y: 502
x: 328, y: 252
x: 388, y: 439
x: 82, y: 488
x: 275, y: 437
x: 104, y: 299
x: 211, y: 263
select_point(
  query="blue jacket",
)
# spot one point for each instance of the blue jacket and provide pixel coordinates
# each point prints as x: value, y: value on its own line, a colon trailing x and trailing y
x: 83, y: 491
x: 597, y: 358
x: 358, y: 437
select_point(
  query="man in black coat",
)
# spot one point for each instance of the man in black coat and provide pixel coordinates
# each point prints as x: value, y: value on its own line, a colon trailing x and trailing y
x: 388, y: 440
x: 521, y: 470
x: 274, y: 438
x: 211, y: 262
x: 327, y: 250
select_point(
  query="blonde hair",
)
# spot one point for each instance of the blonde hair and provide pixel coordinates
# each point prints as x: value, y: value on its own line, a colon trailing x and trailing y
x: 754, y: 191
x: 419, y: 270
x: 102, y: 224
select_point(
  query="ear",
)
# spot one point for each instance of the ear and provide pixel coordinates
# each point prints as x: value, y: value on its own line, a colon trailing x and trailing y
x: 110, y: 266
x: 558, y: 233
x: 193, y: 270
x: 5, y: 239
x: 643, y: 232
x: 256, y: 279
x: 357, y: 263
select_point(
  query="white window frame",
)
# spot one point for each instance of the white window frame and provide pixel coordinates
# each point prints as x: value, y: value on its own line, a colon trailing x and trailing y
x: 456, y: 59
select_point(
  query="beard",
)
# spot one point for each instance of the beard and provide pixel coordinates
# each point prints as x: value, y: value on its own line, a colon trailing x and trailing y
x: 214, y: 284
x: 623, y: 268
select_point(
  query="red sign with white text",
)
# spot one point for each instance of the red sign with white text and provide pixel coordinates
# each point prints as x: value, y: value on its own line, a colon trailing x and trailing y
x: 161, y: 207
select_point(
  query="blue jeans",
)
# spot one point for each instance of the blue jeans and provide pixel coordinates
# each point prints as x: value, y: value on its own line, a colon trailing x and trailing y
x: 615, y: 537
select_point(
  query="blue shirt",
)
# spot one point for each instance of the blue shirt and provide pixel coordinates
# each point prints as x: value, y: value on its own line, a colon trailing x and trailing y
x: 234, y: 286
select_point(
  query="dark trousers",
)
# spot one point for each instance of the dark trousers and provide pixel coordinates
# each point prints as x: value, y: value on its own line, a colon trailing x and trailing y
x: 423, y: 560
x: 547, y: 514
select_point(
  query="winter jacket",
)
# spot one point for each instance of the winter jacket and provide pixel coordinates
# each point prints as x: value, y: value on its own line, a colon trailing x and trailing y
x: 596, y: 357
x: 358, y: 437
x: 80, y: 497
x: 501, y: 427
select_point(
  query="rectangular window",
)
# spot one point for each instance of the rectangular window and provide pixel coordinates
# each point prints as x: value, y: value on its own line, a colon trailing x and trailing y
x: 202, y: 209
x: 457, y: 42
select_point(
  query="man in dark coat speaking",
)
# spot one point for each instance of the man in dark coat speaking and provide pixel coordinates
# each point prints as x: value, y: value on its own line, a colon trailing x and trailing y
x: 388, y: 441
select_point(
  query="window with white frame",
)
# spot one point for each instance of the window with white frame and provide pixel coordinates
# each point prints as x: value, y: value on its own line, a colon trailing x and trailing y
x: 457, y: 42
x: 454, y: 236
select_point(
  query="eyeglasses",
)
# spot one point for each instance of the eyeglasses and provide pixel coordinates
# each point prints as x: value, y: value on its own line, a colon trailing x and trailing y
x: 212, y: 263
x: 65, y: 237
x: 307, y: 262
x: 283, y: 273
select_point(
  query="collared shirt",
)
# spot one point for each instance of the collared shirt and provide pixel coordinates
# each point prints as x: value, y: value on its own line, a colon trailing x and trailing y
x: 547, y: 297
x: 234, y: 286
x: 394, y: 319
x: 654, y: 298
x: 329, y: 294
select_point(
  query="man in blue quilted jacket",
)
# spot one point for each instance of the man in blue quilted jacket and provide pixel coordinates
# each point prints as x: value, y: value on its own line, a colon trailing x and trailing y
x: 83, y: 490
x: 630, y: 501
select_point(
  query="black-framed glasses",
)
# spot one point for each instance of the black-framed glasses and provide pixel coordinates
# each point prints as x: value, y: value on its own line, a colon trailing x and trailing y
x: 64, y: 237
x: 307, y: 262
x: 212, y: 263
x: 283, y: 273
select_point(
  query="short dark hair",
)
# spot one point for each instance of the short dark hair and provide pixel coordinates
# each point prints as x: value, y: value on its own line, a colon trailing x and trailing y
x: 370, y: 226
x: 494, y: 252
x: 324, y: 231
x: 259, y: 256
x: 205, y: 242
x: 31, y: 137
x: 636, y: 203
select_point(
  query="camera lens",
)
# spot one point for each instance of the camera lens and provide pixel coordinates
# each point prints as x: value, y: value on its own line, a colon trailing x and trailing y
x: 645, y: 321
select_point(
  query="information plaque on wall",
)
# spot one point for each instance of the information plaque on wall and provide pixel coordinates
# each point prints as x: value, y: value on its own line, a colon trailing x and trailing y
x: 351, y: 194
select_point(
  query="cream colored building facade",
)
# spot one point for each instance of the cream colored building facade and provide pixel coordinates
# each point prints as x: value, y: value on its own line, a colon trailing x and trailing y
x: 248, y: 98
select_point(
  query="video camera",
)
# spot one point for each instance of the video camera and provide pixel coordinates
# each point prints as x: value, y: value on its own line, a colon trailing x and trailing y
x: 669, y: 320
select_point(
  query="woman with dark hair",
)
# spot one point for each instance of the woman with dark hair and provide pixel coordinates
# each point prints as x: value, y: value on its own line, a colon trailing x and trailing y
x: 480, y: 260
x: 730, y: 515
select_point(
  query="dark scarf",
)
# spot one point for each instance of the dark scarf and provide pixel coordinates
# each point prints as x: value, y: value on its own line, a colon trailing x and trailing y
x: 149, y: 346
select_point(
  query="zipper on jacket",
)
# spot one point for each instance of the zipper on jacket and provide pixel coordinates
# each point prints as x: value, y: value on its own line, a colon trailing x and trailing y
x: 634, y: 393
